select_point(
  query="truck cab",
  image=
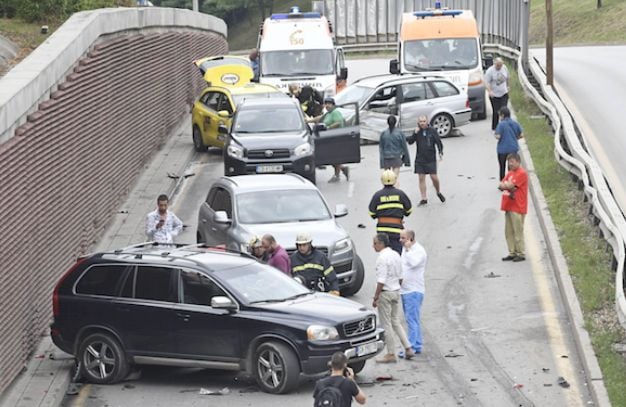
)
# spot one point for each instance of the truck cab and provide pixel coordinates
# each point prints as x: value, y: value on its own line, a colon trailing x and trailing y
x: 446, y: 43
x: 298, y: 48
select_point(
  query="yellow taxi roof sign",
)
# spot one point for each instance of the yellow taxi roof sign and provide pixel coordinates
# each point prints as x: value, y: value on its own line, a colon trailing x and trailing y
x: 225, y: 70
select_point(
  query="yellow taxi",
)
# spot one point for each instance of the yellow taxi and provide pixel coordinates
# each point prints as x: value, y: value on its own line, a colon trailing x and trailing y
x: 229, y: 80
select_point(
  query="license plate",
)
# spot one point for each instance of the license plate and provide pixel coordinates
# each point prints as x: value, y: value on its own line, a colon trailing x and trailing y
x: 263, y: 169
x: 366, y: 349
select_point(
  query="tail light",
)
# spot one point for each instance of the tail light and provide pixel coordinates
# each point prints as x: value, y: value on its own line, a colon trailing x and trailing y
x: 467, y: 103
x: 55, y: 294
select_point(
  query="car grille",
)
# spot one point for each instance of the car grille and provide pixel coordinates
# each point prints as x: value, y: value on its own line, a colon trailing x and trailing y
x: 342, y: 268
x: 360, y: 327
x: 268, y: 154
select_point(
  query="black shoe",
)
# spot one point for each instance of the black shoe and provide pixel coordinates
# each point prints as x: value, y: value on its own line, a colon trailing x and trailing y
x: 441, y: 197
x: 519, y: 258
x: 422, y: 202
x: 509, y: 258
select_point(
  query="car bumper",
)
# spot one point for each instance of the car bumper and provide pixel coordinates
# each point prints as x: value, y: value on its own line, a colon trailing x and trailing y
x: 463, y: 117
x: 59, y: 341
x: 320, y: 353
x: 304, y: 166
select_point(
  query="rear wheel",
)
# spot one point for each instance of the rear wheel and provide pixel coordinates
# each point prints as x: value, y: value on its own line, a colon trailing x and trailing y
x: 276, y: 368
x: 311, y: 177
x: 357, y: 281
x: 198, y: 144
x: 102, y: 359
x: 443, y: 123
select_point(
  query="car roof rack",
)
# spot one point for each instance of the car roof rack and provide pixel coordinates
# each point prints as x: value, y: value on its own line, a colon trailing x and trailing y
x: 218, y: 248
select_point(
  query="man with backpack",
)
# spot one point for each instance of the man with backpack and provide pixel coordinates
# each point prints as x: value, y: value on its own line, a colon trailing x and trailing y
x: 338, y: 389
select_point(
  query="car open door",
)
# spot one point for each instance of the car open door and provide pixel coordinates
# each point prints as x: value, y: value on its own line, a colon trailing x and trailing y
x: 340, y: 145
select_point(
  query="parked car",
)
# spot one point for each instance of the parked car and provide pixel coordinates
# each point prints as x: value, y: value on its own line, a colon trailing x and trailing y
x: 229, y: 83
x: 271, y: 136
x: 193, y: 306
x: 237, y: 208
x: 407, y: 97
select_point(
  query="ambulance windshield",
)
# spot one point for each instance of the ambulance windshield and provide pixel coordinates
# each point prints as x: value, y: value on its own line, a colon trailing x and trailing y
x: 297, y: 62
x: 440, y: 54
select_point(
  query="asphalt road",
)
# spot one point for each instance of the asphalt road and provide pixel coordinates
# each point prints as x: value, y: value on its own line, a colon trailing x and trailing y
x: 591, y: 81
x: 496, y: 334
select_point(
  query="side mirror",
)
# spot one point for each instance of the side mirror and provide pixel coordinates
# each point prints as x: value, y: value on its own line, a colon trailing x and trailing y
x: 487, y: 61
x: 341, y: 210
x: 221, y: 217
x: 223, y: 114
x: 343, y: 73
x: 221, y: 302
x: 222, y: 129
x: 394, y: 67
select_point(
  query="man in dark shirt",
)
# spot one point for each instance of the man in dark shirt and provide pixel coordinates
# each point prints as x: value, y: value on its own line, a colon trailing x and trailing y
x: 341, y: 377
x: 311, y: 266
x: 428, y: 144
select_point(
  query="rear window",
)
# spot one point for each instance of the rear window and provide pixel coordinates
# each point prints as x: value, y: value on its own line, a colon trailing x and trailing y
x: 445, y: 89
x: 101, y: 280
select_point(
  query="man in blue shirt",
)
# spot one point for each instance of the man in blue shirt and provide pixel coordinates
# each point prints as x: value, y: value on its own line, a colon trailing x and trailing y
x: 508, y: 132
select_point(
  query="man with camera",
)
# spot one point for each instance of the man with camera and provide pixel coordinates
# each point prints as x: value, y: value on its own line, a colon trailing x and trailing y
x: 339, y: 388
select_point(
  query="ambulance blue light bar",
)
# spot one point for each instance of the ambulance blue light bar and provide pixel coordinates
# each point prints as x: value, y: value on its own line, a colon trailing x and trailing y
x: 285, y: 16
x: 437, y: 13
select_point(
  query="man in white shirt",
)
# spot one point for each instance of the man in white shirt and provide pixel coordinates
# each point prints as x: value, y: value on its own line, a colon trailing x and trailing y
x: 497, y: 84
x: 162, y: 226
x: 413, y: 267
x: 387, y: 298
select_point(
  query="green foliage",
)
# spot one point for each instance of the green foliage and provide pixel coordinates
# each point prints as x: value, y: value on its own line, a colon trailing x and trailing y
x: 56, y: 10
x: 95, y: 4
x: 8, y: 8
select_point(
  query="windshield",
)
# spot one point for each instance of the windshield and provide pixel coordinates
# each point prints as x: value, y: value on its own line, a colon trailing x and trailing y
x: 277, y: 120
x: 281, y: 206
x: 265, y: 95
x: 440, y: 54
x: 261, y: 283
x: 295, y: 63
x: 353, y: 93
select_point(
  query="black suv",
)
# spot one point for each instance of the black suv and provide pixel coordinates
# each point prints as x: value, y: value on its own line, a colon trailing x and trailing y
x: 271, y: 136
x: 195, y: 306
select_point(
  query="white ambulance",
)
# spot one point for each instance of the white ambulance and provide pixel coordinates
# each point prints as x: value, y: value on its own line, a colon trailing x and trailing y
x: 298, y: 47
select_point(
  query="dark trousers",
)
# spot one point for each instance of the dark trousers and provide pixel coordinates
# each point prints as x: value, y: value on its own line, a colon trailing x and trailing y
x: 496, y: 104
x: 394, y: 242
x: 502, y: 163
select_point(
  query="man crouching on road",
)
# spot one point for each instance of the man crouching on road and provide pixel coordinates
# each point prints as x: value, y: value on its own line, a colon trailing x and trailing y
x: 342, y: 379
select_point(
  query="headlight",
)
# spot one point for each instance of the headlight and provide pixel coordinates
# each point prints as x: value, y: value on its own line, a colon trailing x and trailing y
x: 342, y: 246
x: 330, y: 91
x: 235, y: 151
x: 302, y: 149
x: 321, y: 333
x: 475, y: 77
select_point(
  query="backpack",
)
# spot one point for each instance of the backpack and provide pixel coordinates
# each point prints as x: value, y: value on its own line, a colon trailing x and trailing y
x: 329, y: 396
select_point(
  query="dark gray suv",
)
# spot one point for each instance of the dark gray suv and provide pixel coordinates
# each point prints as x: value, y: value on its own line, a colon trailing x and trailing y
x: 237, y: 208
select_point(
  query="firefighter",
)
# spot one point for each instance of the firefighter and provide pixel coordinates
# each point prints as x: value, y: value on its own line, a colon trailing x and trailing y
x: 389, y: 206
x: 311, y: 267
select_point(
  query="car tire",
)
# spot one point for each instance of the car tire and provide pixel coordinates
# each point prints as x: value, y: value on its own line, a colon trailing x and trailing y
x: 198, y: 144
x: 199, y: 238
x: 311, y: 176
x: 357, y: 367
x: 276, y: 368
x: 357, y: 282
x: 443, y: 123
x: 102, y: 359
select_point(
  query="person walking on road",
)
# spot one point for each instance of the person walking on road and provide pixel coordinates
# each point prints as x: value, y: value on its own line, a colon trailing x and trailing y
x: 276, y: 256
x: 514, y: 203
x: 412, y: 289
x: 339, y: 388
x: 311, y: 266
x: 507, y: 134
x: 389, y: 206
x: 393, y: 148
x: 428, y: 144
x: 497, y: 84
x: 387, y: 298
x: 162, y: 226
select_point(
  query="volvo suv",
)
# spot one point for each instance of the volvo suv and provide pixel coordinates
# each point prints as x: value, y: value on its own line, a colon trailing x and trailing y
x: 196, y: 306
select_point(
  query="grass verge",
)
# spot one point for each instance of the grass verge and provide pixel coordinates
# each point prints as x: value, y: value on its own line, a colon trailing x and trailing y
x: 588, y: 259
x: 27, y: 36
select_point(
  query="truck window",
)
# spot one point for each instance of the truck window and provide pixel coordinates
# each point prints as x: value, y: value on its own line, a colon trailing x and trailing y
x: 443, y: 54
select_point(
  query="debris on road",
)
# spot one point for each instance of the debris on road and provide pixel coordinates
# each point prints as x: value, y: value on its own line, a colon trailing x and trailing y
x: 562, y: 382
x: 492, y: 275
x: 545, y: 369
x: 384, y: 378
x: 564, y: 356
x: 518, y: 386
x: 362, y: 226
x: 452, y: 354
x: 207, y: 392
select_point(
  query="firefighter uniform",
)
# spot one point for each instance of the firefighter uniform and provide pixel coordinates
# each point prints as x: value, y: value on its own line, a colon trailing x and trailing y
x: 313, y: 269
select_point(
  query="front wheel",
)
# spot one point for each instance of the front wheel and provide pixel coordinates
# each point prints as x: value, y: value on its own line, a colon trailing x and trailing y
x: 443, y: 123
x: 276, y: 368
x: 198, y: 144
x: 102, y: 359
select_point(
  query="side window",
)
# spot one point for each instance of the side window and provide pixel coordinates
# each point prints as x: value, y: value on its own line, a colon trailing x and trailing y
x: 156, y: 283
x: 211, y: 100
x: 222, y: 202
x: 443, y: 89
x: 211, y: 196
x: 412, y: 92
x: 102, y: 279
x: 224, y: 104
x: 383, y: 100
x: 198, y: 288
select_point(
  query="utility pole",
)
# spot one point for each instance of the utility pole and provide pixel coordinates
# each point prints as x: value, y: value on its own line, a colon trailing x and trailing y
x: 549, y: 45
x: 525, y: 24
x: 599, y: 4
x: 195, y: 5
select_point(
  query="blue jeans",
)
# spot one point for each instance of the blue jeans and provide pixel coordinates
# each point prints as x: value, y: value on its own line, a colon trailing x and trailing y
x: 412, y: 303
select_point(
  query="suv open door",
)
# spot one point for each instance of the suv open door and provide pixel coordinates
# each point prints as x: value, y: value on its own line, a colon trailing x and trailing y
x: 341, y: 145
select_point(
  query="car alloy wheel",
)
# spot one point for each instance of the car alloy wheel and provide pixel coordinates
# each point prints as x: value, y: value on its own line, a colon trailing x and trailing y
x: 443, y: 124
x: 102, y: 359
x: 277, y: 368
x: 198, y: 144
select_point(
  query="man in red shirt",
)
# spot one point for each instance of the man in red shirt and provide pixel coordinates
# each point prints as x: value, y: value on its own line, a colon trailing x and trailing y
x: 514, y: 187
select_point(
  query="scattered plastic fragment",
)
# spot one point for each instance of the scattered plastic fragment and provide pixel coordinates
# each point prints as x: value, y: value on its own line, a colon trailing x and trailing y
x: 562, y: 382
x: 412, y: 397
x: 547, y: 385
x: 362, y: 226
x: 492, y: 275
x: 73, y: 389
x: 564, y: 356
x: 452, y: 354
x: 40, y: 356
x: 207, y: 392
x: 545, y: 369
x: 518, y: 386
x: 473, y: 379
x: 384, y: 378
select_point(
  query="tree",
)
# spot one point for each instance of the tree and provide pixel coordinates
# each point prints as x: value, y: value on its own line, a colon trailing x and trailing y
x: 599, y: 4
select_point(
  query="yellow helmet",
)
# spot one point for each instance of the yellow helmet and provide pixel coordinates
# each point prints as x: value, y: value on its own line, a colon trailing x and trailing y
x: 388, y: 177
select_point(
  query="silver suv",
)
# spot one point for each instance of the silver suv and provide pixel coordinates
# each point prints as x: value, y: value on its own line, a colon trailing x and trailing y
x: 237, y: 208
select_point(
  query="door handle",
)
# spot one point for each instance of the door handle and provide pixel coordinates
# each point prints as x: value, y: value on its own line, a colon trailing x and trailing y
x: 185, y: 317
x: 214, y: 229
x: 203, y: 220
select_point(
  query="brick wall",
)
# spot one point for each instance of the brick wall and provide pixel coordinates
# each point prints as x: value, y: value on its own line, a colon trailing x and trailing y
x: 70, y: 166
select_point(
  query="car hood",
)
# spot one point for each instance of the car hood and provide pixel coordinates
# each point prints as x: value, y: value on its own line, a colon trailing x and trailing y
x: 267, y: 141
x: 325, y: 233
